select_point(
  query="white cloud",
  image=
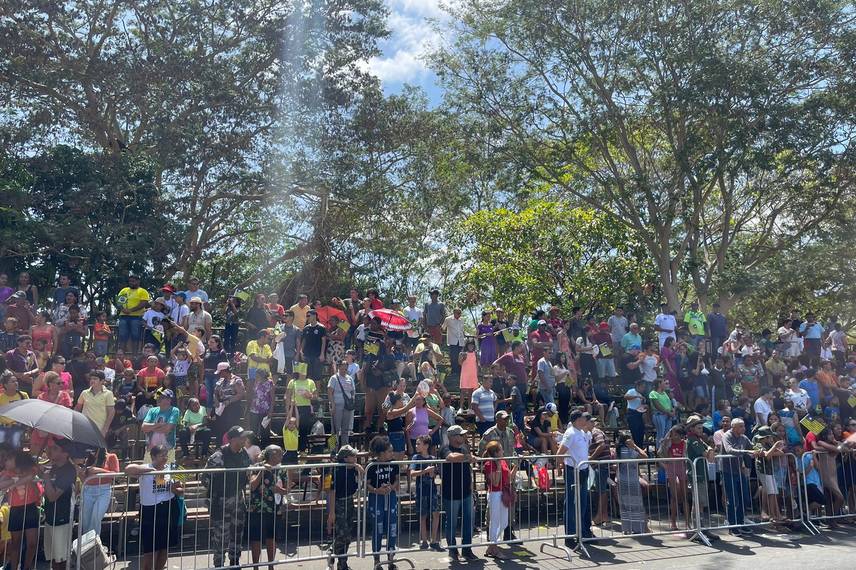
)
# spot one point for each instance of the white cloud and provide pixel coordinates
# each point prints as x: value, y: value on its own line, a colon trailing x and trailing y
x: 412, y: 36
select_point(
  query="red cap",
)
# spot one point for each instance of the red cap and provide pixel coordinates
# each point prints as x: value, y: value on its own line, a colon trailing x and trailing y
x: 168, y: 287
x: 603, y: 325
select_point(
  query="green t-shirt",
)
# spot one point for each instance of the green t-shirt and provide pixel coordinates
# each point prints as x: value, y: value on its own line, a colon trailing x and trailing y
x: 695, y: 322
x: 696, y: 449
x: 662, y: 398
x: 300, y: 389
x: 194, y: 418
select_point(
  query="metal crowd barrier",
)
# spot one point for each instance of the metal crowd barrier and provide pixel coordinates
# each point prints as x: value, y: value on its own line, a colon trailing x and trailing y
x: 837, y: 491
x: 435, y: 501
x: 631, y: 498
x: 222, y: 517
x: 737, y: 495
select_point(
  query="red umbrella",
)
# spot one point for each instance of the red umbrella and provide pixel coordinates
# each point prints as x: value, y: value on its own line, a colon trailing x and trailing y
x: 391, y: 320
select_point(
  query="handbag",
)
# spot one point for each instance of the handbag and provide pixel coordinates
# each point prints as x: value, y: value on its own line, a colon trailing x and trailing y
x: 349, y: 401
x: 508, y: 496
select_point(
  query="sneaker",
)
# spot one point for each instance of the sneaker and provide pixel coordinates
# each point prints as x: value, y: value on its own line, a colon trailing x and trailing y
x: 424, y: 545
x: 453, y: 553
x: 435, y: 546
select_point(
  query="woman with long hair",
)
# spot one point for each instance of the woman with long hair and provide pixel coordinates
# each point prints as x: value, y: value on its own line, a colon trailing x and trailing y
x: 498, y: 478
x: 630, y: 502
x: 214, y: 355
x: 97, y: 491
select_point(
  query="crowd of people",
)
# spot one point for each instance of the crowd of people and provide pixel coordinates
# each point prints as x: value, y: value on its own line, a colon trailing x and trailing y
x: 432, y: 385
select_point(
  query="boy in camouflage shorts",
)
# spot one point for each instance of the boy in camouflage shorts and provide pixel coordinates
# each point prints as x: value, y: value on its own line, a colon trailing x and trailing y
x: 342, y: 518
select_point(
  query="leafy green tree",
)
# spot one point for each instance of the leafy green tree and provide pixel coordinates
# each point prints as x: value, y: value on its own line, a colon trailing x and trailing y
x: 550, y: 252
x: 700, y: 126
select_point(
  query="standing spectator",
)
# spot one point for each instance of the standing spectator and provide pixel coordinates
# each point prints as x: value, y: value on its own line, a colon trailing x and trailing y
x: 502, y: 433
x: 289, y: 340
x: 5, y: 290
x: 540, y: 343
x: 604, y: 359
x: 617, y: 323
x: 396, y: 406
x: 484, y: 405
x: 180, y: 310
x: 300, y: 393
x: 160, y: 425
x: 198, y: 317
x: 158, y: 510
x: 838, y: 339
x: 427, y: 498
x: 11, y: 432
x: 265, y: 485
x: 663, y: 412
x: 64, y: 286
x: 169, y: 302
x: 469, y: 370
x: 695, y: 321
x: 30, y: 291
x: 630, y: 499
x: 717, y: 326
x: 71, y: 333
x: 259, y: 355
x: 101, y: 334
x: 131, y: 302
x: 414, y: 315
x: 735, y: 473
x: 59, y: 485
x: 313, y: 345
x: 232, y: 322
x: 665, y: 324
x: 97, y: 403
x: 456, y: 491
x: 636, y: 408
x: 382, y: 504
x: 811, y: 332
x: 153, y: 323
x: 22, y: 363
x: 21, y: 312
x: 9, y: 335
x: 455, y: 338
x: 631, y: 337
x: 54, y: 394
x: 193, y: 429
x: 487, y: 339
x: 275, y: 310
x: 575, y: 447
x: 24, y: 494
x: 342, y: 518
x: 434, y: 314
x: 60, y: 314
x: 300, y: 310
x: 257, y: 317
x: 97, y: 491
x: 426, y: 351
x: 514, y: 364
x: 498, y: 478
x: 193, y: 290
x: 228, y: 400
x: 341, y: 396
x: 261, y: 406
x: 214, y: 355
x: 226, y: 491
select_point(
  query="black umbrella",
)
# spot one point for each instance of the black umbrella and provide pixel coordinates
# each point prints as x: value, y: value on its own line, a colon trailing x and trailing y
x: 55, y: 420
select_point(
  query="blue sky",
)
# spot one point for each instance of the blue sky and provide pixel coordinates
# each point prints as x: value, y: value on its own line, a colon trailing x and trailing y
x: 411, y: 37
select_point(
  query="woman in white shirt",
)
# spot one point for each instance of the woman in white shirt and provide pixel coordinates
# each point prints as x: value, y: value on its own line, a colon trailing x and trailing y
x: 159, y: 511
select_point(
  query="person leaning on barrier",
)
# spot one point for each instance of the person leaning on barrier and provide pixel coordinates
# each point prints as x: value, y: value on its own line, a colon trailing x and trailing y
x: 575, y: 447
x: 226, y: 492
x: 504, y: 434
x: 696, y: 450
x: 59, y: 484
x: 735, y: 471
x: 342, y: 518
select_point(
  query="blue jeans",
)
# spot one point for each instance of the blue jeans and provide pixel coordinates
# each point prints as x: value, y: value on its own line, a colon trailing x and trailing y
x: 383, y: 511
x: 94, y: 504
x: 738, y: 495
x: 662, y: 423
x: 570, y: 503
x: 636, y: 422
x: 547, y: 395
x: 230, y: 337
x: 130, y: 328
x: 453, y: 507
x: 210, y: 382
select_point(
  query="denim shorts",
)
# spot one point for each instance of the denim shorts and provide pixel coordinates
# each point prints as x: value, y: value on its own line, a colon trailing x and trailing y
x: 427, y: 502
x: 396, y: 438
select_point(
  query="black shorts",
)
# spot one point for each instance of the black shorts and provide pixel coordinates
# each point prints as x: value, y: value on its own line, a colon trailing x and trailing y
x: 24, y: 517
x: 261, y: 526
x: 159, y: 526
x: 290, y: 458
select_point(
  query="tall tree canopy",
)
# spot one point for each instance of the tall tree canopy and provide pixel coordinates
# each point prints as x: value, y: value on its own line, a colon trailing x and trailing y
x: 719, y: 132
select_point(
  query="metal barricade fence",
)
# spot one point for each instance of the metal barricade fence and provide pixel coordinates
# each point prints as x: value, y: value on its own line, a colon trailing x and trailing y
x: 835, y: 496
x: 221, y: 516
x: 437, y: 501
x: 36, y: 525
x: 749, y: 491
x: 631, y: 498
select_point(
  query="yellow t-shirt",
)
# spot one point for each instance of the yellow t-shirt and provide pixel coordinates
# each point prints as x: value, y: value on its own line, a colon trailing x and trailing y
x: 95, y: 405
x: 262, y: 351
x: 6, y: 399
x: 289, y: 439
x: 554, y: 422
x: 299, y: 389
x: 130, y: 298
x: 299, y: 315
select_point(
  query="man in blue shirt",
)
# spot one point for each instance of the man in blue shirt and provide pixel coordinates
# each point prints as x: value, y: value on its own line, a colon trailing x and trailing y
x: 812, y: 388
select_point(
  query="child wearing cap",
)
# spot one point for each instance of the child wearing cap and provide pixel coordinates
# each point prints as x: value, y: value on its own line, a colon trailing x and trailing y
x: 342, y: 516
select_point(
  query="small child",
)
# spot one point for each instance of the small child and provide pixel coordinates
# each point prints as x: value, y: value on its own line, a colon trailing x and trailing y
x: 290, y: 442
x: 261, y: 405
x: 342, y: 516
x: 447, y: 412
x: 427, y: 499
x: 317, y: 430
x: 381, y: 485
x: 101, y: 334
x: 353, y: 367
x: 518, y: 408
x: 180, y: 369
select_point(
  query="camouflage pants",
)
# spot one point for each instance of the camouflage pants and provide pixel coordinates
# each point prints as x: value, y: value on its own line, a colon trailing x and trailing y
x: 346, y: 523
x: 227, y: 528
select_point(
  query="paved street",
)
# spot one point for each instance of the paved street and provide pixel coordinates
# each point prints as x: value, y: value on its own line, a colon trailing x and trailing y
x: 831, y: 550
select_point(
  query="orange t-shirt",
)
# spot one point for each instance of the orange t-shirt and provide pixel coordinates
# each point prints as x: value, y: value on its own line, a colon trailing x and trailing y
x: 21, y: 495
x: 151, y: 378
x: 828, y: 379
x: 102, y: 331
x: 111, y: 463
